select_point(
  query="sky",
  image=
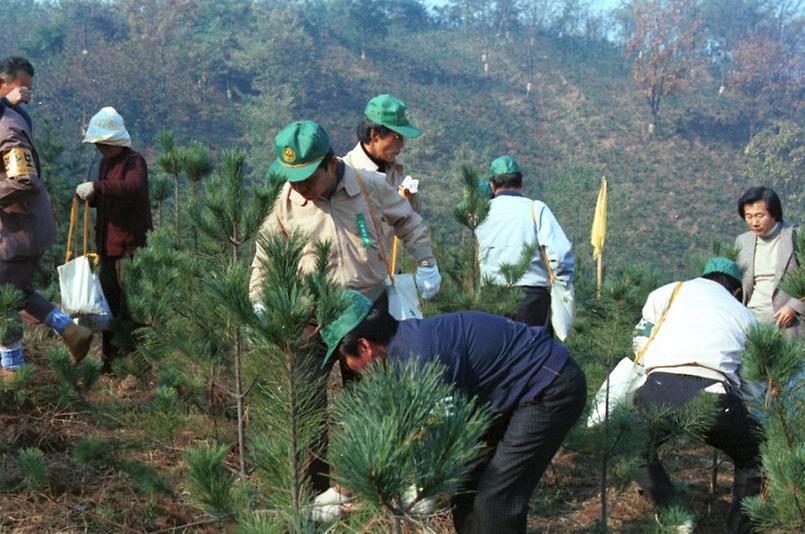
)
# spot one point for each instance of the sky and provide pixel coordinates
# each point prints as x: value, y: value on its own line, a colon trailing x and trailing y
x: 602, y: 5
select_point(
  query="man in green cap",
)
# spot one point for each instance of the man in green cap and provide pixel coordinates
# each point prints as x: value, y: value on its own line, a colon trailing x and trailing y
x: 697, y: 348
x: 514, y: 221
x: 533, y: 387
x: 382, y: 132
x: 381, y: 137
x: 327, y: 200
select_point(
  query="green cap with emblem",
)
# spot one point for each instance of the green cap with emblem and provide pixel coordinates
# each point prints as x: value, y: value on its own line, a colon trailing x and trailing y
x: 723, y: 265
x: 358, y: 307
x: 503, y: 165
x: 390, y: 112
x: 300, y: 147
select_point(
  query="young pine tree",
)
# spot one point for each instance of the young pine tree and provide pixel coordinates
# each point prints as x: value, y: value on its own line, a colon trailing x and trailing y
x: 229, y: 219
x: 285, y: 404
x: 168, y: 160
x: 463, y: 287
x: 403, y: 435
x: 777, y: 361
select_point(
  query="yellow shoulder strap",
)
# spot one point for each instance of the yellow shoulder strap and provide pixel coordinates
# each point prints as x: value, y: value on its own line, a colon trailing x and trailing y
x: 659, y: 323
x: 374, y: 223
x: 542, y: 251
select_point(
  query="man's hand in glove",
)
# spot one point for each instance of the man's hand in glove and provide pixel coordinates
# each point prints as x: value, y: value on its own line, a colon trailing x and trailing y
x: 428, y: 280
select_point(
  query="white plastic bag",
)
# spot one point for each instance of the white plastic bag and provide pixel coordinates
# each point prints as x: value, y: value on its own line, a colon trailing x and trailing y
x: 81, y: 293
x: 563, y: 307
x: 403, y: 299
x: 624, y: 381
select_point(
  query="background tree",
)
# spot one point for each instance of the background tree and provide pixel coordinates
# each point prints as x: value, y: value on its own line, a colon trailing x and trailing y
x: 663, y: 49
x: 776, y: 157
x: 364, y: 20
x: 768, y: 71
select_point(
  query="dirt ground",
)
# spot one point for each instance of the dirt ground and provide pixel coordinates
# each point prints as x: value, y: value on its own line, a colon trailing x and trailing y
x: 135, y: 481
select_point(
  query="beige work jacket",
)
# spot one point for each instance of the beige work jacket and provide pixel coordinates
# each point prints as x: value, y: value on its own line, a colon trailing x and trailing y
x: 335, y: 220
x: 357, y: 158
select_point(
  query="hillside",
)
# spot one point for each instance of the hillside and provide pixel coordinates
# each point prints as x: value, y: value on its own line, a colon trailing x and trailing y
x: 583, y: 117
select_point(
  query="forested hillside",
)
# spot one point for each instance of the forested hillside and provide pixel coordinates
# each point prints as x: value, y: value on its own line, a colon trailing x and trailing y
x: 548, y: 81
x: 209, y: 418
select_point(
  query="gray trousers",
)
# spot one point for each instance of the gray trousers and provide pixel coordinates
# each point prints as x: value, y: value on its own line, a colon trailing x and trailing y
x: 19, y: 272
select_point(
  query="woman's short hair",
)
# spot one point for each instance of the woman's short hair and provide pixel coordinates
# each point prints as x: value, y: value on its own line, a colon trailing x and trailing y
x: 767, y: 195
x: 378, y: 327
x: 365, y: 127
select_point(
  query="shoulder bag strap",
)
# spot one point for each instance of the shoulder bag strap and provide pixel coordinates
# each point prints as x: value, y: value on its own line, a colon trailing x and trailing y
x: 374, y: 223
x: 87, y: 234
x: 73, y: 219
x: 659, y: 323
x: 542, y: 251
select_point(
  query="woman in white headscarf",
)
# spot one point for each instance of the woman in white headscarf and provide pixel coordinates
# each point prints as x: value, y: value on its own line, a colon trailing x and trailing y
x: 120, y: 196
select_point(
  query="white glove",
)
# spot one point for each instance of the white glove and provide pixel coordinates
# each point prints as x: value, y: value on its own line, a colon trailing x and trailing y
x: 327, y: 506
x: 85, y: 191
x: 411, y: 185
x: 422, y: 508
x: 428, y: 280
x: 259, y: 310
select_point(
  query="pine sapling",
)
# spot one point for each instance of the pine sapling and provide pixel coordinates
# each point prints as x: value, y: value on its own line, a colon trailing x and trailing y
x: 168, y: 161
x: 231, y: 216
x: 777, y: 362
x: 34, y: 468
x: 413, y: 438
x: 212, y: 485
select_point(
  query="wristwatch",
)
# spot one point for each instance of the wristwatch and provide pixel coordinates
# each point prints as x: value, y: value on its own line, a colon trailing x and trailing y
x: 427, y: 262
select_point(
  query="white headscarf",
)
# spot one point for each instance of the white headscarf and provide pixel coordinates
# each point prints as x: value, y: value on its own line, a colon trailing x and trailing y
x: 107, y: 127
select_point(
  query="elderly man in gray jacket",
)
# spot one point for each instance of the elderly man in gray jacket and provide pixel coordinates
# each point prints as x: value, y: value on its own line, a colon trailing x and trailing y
x: 27, y: 230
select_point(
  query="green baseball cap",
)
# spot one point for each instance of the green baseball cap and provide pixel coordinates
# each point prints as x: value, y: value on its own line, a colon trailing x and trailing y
x: 485, y: 188
x: 719, y: 264
x: 358, y: 307
x: 503, y: 165
x: 300, y: 147
x: 390, y: 112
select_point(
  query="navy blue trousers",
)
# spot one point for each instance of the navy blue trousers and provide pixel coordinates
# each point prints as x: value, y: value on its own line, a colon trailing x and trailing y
x: 519, y: 449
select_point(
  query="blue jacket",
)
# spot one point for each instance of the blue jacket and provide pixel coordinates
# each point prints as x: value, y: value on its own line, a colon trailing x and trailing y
x: 499, y: 361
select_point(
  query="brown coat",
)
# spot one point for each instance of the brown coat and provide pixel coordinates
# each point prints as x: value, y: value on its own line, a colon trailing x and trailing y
x: 351, y: 263
x: 122, y: 203
x: 27, y: 227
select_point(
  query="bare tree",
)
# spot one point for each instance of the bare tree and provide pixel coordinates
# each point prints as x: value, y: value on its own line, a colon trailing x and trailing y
x: 663, y: 48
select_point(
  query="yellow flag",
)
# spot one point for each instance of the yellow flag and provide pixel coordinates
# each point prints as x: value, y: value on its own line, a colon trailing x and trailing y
x: 599, y: 231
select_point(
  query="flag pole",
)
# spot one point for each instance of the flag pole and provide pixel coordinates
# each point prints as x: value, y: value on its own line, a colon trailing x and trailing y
x: 598, y: 234
x: 600, y: 275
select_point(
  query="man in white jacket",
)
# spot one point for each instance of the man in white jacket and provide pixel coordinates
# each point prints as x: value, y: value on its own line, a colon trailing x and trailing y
x: 515, y: 221
x: 699, y: 334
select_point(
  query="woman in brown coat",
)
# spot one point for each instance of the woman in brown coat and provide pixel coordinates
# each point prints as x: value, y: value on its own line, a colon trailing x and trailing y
x: 120, y: 196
